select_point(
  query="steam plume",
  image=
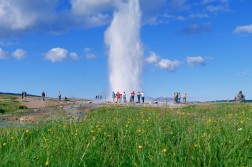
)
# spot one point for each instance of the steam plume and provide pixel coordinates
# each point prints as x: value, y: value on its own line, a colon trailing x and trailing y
x: 125, y: 49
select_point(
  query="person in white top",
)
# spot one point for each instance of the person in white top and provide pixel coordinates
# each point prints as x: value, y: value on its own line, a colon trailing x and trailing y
x: 184, y: 98
x: 124, y: 97
x: 142, y: 94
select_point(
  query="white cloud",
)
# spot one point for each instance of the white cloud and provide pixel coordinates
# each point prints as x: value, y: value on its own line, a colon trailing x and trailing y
x: 32, y: 16
x: 19, y: 54
x: 193, y: 61
x: 3, y: 54
x: 98, y: 19
x: 89, y: 54
x: 243, y: 29
x: 153, y: 58
x: 87, y: 7
x: 21, y: 16
x: 168, y: 64
x: 74, y: 56
x: 162, y: 63
x: 14, y: 16
x: 27, y: 16
x: 56, y: 54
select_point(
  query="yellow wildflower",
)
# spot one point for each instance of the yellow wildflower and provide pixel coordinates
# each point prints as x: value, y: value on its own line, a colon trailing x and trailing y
x: 47, y: 163
x: 164, y: 150
x: 209, y: 121
x: 140, y: 147
x: 27, y: 131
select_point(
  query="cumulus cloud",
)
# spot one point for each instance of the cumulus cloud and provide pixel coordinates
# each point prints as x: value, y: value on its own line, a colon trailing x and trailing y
x: 3, y: 54
x: 27, y: 16
x: 89, y: 54
x: 153, y: 58
x: 20, y: 16
x: 243, y: 29
x: 193, y: 61
x: 168, y: 64
x: 54, y: 16
x: 56, y: 54
x: 19, y: 54
x: 74, y: 56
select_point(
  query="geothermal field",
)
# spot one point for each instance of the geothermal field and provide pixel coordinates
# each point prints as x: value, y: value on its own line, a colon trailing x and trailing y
x: 81, y: 132
x: 69, y: 132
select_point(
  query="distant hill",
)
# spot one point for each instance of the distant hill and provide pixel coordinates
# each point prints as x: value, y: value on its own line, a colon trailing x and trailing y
x: 163, y: 98
x: 17, y: 94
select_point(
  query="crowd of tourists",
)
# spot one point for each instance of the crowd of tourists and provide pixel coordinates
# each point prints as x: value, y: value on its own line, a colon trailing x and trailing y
x: 177, y: 97
x: 121, y: 97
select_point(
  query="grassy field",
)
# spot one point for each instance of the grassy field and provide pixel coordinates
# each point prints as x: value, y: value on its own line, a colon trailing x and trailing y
x: 198, y: 135
x: 9, y: 104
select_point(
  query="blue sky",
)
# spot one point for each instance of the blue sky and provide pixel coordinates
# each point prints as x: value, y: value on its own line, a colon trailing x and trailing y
x: 202, y: 47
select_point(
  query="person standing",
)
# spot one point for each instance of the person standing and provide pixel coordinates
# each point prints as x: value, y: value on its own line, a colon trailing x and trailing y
x: 59, y: 96
x: 184, y: 98
x: 176, y: 97
x: 132, y: 96
x: 124, y: 97
x: 113, y: 96
x: 142, y: 94
x: 118, y: 97
x: 25, y: 95
x: 138, y: 97
x: 22, y: 94
x: 240, y: 97
x: 43, y: 96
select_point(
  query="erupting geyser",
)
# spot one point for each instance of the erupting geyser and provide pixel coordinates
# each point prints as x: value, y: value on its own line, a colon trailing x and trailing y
x: 125, y: 49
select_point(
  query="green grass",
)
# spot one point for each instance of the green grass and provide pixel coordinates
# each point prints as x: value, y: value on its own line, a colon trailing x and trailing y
x: 8, y: 104
x: 200, y: 135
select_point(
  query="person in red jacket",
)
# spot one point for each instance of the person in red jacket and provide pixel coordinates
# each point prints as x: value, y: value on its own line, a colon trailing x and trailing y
x: 118, y: 95
x: 132, y: 96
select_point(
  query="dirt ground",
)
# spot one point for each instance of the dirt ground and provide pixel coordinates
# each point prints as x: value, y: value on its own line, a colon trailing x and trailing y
x: 37, y: 102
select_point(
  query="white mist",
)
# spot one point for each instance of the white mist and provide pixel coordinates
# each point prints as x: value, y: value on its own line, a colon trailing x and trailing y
x: 125, y: 49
